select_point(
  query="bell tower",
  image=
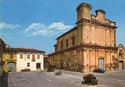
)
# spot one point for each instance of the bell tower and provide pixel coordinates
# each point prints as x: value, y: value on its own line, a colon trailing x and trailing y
x: 84, y: 11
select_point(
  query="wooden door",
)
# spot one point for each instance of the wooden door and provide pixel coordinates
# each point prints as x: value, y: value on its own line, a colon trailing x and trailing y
x: 120, y: 65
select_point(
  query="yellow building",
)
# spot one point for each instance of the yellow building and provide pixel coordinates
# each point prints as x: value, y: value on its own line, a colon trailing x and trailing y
x: 18, y: 59
x: 91, y: 44
x: 2, y: 46
x: 9, y: 59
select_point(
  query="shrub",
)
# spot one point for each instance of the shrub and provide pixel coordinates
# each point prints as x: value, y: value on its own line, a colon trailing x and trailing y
x: 99, y: 70
x: 90, y: 79
x: 58, y: 73
x: 50, y: 69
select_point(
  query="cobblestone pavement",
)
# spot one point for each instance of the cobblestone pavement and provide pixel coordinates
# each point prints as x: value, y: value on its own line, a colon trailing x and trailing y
x: 67, y: 79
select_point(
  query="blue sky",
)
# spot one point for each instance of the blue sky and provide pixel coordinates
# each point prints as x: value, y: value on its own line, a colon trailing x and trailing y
x: 37, y: 23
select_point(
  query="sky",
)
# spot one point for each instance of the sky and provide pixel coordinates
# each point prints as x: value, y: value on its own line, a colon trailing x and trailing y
x: 37, y: 23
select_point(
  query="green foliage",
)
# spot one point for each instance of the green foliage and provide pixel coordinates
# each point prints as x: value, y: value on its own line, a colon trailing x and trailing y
x: 90, y: 79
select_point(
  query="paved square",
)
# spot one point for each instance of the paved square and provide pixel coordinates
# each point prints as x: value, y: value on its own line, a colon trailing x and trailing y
x: 67, y: 79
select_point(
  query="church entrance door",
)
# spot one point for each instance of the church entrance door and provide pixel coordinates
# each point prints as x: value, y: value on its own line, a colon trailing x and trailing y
x: 101, y: 63
x: 120, y: 65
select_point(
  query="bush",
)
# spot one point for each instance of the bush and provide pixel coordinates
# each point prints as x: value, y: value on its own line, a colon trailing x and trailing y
x: 50, y: 69
x: 58, y: 73
x: 99, y: 70
x: 90, y: 80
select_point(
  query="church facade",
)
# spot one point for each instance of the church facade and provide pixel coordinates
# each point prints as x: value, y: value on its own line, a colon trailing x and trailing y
x: 121, y: 57
x: 91, y: 44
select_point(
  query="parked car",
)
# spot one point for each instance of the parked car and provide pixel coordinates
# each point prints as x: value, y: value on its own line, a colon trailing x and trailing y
x: 25, y: 70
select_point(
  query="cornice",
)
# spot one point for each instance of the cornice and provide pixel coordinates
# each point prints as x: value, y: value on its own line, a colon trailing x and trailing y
x: 92, y: 21
x: 85, y: 46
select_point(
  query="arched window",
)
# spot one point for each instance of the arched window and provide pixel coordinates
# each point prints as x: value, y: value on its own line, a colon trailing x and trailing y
x: 121, y: 53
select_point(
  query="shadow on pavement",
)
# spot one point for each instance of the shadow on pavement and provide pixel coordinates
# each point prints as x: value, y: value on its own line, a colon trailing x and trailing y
x: 4, y: 80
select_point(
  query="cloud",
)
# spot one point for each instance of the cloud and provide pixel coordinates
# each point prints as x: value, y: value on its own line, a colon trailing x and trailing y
x: 4, y: 25
x: 39, y: 29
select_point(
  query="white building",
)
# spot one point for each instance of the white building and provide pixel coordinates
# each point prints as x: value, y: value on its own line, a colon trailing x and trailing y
x: 26, y: 58
x: 30, y: 59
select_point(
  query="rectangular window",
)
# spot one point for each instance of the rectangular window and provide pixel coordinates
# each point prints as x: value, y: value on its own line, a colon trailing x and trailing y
x: 73, y: 40
x: 38, y: 56
x: 21, y: 56
x: 61, y: 44
x: 28, y: 64
x: 28, y: 56
x: 56, y: 47
x: 38, y: 65
x: 67, y: 43
x: 33, y: 58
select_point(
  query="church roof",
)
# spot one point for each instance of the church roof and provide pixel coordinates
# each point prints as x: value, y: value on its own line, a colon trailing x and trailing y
x: 2, y: 41
x: 66, y: 32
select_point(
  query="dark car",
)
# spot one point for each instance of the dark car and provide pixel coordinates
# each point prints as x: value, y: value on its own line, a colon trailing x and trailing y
x: 25, y: 70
